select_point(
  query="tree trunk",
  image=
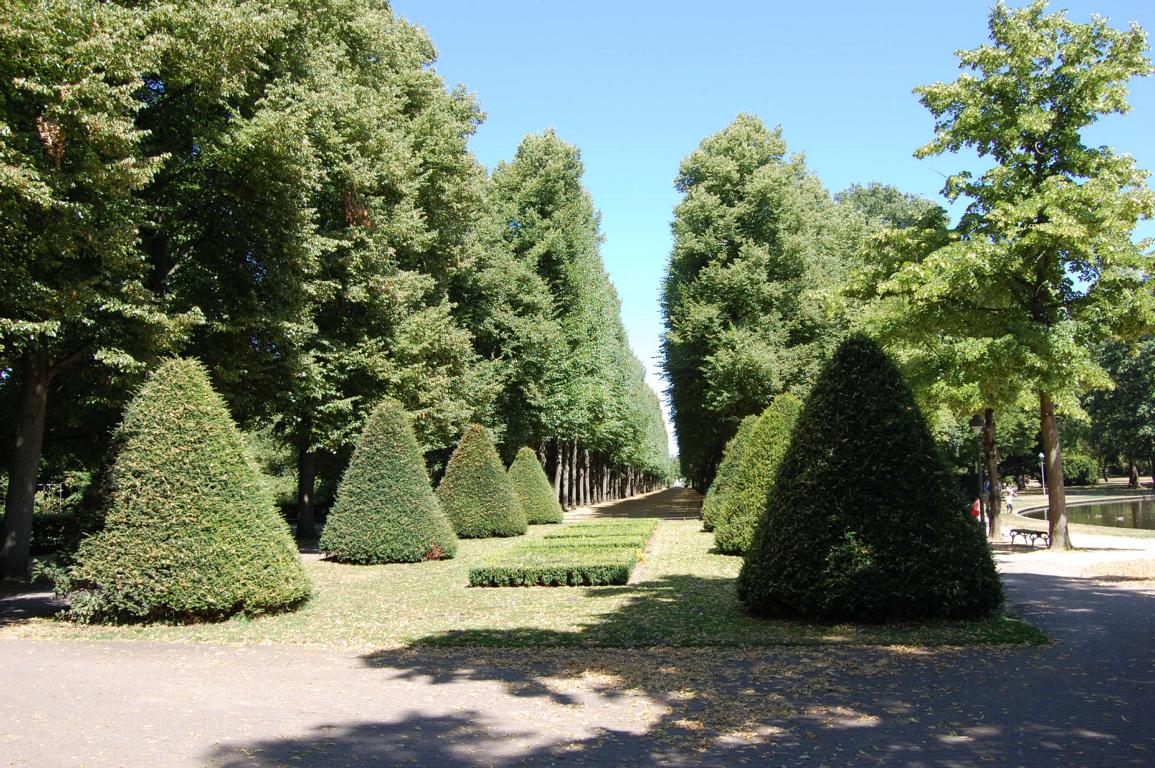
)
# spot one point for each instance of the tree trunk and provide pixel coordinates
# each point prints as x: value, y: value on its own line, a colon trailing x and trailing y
x: 16, y: 530
x: 557, y: 470
x: 585, y: 477
x: 306, y: 491
x: 565, y: 476
x: 1057, y: 503
x: 1151, y: 466
x: 995, y: 498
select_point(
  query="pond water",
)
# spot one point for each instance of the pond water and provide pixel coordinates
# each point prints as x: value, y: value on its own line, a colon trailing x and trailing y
x: 1139, y: 513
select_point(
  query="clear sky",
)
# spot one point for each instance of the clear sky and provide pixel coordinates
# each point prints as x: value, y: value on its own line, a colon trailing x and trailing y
x: 637, y: 84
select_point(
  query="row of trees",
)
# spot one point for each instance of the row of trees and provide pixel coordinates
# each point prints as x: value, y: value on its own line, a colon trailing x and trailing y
x: 284, y: 191
x: 1012, y: 309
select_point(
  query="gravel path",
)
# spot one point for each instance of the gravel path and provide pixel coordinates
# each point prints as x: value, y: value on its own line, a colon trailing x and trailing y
x: 1086, y: 700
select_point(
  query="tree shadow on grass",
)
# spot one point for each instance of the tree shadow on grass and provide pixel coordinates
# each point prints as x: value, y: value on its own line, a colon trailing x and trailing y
x: 1085, y: 701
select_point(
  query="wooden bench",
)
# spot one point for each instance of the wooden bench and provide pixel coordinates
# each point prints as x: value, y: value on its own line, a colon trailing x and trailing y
x: 1031, y: 537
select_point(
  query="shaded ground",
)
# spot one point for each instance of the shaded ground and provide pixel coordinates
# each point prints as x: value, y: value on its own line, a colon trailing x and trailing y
x: 669, y: 504
x: 1086, y: 700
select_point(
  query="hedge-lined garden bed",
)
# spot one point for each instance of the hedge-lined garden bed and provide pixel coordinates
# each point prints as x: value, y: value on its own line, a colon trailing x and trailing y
x: 590, y: 553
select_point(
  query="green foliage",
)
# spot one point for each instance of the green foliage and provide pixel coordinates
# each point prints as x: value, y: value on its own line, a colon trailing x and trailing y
x: 190, y: 532
x: 864, y: 521
x: 727, y: 471
x: 385, y: 510
x: 744, y: 500
x: 1123, y: 417
x: 643, y: 528
x: 998, y: 289
x: 574, y: 567
x: 757, y: 246
x: 1080, y: 469
x: 539, y: 302
x: 533, y: 490
x: 588, y: 553
x: 475, y: 492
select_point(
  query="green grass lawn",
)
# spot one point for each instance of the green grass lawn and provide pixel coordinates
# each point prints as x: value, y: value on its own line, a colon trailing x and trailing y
x: 682, y: 596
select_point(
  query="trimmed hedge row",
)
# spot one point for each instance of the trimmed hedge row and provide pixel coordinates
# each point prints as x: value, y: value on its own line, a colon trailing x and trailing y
x: 599, y: 528
x: 583, y: 554
x: 557, y: 569
x: 727, y: 470
x: 744, y: 499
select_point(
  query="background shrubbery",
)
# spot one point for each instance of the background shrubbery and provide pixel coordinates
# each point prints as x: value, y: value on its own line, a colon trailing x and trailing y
x: 727, y: 469
x: 742, y: 503
x: 864, y: 521
x: 1080, y: 469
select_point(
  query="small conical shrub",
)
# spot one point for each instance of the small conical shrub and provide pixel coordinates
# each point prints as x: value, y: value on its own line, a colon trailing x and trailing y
x: 727, y: 468
x: 532, y: 488
x: 385, y: 511
x: 864, y: 521
x: 475, y: 491
x: 745, y: 498
x: 191, y: 532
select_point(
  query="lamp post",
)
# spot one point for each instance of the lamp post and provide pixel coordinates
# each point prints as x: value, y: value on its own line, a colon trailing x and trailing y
x: 977, y: 424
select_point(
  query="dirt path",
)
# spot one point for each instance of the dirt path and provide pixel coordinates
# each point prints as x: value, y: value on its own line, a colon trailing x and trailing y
x: 1086, y: 700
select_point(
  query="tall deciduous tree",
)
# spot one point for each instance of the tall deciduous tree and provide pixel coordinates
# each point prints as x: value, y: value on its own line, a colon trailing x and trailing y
x: 755, y: 242
x: 71, y: 161
x: 1043, y: 264
x: 541, y: 305
x: 316, y: 216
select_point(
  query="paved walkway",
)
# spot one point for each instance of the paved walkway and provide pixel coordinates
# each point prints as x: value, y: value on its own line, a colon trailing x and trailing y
x: 1086, y: 700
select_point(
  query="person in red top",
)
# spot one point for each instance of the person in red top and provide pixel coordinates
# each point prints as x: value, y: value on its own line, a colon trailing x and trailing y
x: 976, y: 509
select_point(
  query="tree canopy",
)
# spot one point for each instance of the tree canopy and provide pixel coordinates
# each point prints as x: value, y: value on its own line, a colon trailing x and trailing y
x: 755, y: 243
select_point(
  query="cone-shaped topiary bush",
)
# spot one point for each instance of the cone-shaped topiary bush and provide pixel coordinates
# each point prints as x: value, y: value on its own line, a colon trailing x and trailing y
x: 533, y: 490
x: 741, y: 506
x: 385, y: 511
x: 864, y: 521
x: 475, y: 491
x: 190, y: 533
x: 727, y: 468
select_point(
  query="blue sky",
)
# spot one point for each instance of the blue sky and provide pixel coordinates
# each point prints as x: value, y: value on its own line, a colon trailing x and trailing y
x: 638, y: 84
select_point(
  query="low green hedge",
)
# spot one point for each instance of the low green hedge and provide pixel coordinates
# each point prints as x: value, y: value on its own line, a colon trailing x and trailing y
x: 557, y: 568
x: 598, y: 528
x: 636, y: 540
x: 595, y: 552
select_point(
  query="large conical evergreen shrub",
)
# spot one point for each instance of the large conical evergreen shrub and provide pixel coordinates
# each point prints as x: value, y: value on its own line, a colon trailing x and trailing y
x: 385, y: 510
x: 864, y: 521
x: 744, y: 500
x: 727, y: 468
x: 475, y: 491
x: 190, y: 533
x: 532, y: 489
